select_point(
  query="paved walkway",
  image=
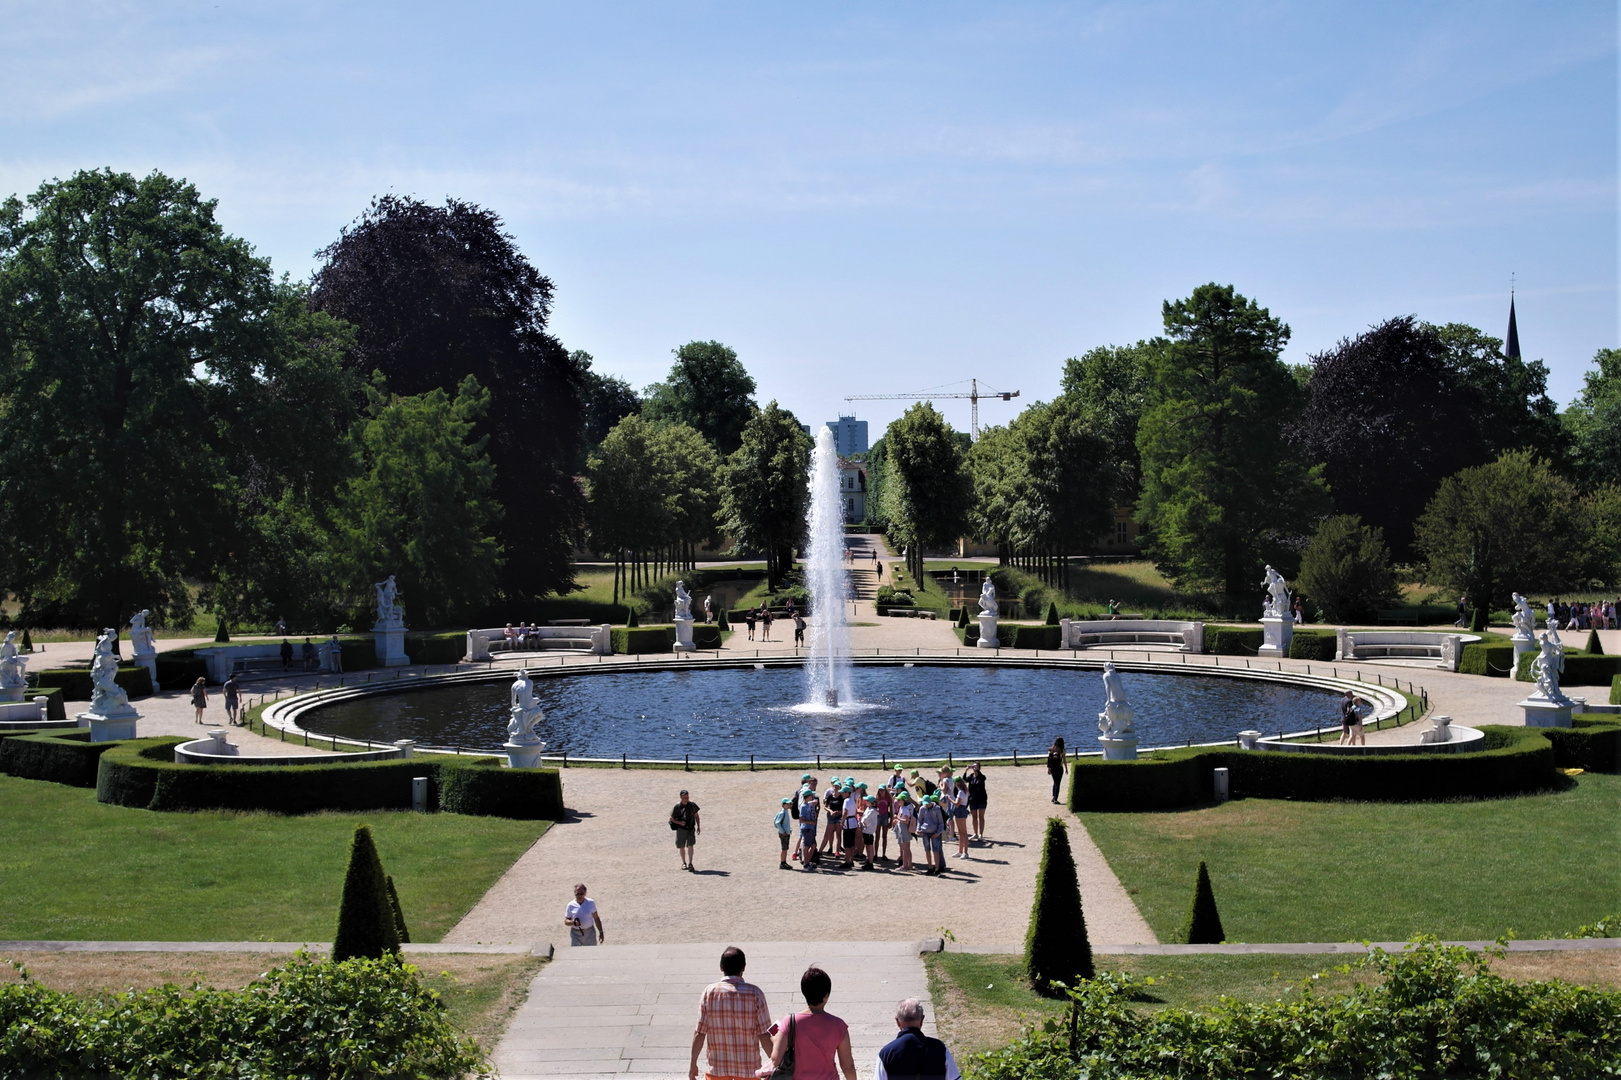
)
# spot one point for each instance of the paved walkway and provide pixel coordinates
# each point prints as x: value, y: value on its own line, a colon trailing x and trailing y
x: 632, y: 1008
x: 617, y: 842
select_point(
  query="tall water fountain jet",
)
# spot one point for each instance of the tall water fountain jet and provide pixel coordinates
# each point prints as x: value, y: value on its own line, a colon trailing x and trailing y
x: 828, y: 668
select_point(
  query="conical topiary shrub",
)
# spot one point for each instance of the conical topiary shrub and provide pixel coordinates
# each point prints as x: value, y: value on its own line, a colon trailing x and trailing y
x: 1204, y: 921
x: 1477, y: 619
x: 1052, y: 613
x: 1056, y: 949
x: 400, y: 929
x: 962, y: 615
x: 28, y: 641
x: 721, y: 621
x: 365, y: 916
x: 222, y: 634
x: 630, y: 620
x: 1594, y: 646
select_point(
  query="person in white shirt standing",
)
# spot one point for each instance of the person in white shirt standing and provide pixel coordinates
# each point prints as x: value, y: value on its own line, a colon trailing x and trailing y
x: 583, y: 922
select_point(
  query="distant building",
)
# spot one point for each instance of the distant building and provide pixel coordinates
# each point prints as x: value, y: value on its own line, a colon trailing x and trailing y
x: 849, y: 435
x: 853, y: 487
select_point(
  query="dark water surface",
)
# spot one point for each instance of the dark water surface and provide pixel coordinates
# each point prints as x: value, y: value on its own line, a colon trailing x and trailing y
x: 903, y: 712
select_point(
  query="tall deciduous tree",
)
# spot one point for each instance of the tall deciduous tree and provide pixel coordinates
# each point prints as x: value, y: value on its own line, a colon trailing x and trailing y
x: 606, y: 399
x: 1345, y: 570
x: 420, y: 504
x: 709, y: 389
x: 1593, y: 422
x: 438, y: 293
x: 1223, y: 492
x: 1389, y: 417
x: 927, y: 490
x: 1514, y: 410
x: 763, y: 488
x: 157, y: 388
x: 626, y: 512
x: 1109, y: 384
x: 1504, y: 526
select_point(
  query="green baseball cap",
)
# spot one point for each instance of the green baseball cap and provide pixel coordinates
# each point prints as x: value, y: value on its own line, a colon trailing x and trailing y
x: 805, y: 779
x: 785, y: 802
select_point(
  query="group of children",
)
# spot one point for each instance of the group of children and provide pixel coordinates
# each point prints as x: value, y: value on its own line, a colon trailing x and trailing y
x: 856, y: 823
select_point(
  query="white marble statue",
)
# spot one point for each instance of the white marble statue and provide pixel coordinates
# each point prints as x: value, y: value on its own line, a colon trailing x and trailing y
x: 683, y: 601
x: 13, y: 665
x: 107, y: 698
x: 1525, y: 620
x: 1115, y: 720
x: 141, y: 635
x: 987, y: 598
x: 525, y: 710
x: 1549, y: 665
x: 389, y: 612
x: 1277, y: 593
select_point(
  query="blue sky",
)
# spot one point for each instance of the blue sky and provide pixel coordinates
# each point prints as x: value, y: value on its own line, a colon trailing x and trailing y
x: 882, y: 198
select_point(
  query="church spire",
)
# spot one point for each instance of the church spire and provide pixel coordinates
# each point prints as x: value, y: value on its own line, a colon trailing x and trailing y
x: 1512, y: 350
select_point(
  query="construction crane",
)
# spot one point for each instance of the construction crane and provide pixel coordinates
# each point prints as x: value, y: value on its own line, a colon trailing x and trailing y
x: 973, y: 397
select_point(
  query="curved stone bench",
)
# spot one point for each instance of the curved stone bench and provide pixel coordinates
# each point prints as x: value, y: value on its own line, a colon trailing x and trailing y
x: 1444, y: 649
x: 1102, y: 633
x: 1463, y: 740
x: 216, y: 750
x: 596, y: 640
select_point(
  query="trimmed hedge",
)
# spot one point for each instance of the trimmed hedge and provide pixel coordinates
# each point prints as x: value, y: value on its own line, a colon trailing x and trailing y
x: 1581, y: 669
x: 180, y: 668
x: 1516, y: 761
x: 1590, y: 743
x: 1615, y: 690
x: 1486, y: 658
x: 76, y: 683
x: 358, y: 654
x: 642, y: 639
x: 1030, y: 637
x: 142, y: 773
x: 443, y: 648
x: 1313, y: 645
x: 1233, y: 640
x: 66, y: 757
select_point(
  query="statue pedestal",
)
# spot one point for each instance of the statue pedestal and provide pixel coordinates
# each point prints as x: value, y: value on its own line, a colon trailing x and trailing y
x: 987, y: 632
x: 149, y: 660
x: 1522, y: 644
x: 15, y: 693
x: 1276, y: 634
x: 683, y: 636
x: 523, y: 755
x: 1544, y: 712
x: 1121, y: 748
x: 119, y: 725
x: 390, y: 644
x: 1246, y: 739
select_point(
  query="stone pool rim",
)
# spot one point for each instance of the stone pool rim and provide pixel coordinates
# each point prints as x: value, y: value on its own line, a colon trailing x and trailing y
x: 283, y: 714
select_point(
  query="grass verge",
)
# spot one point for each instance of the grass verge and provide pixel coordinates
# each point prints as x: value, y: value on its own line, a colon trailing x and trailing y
x: 74, y: 869
x: 1539, y: 865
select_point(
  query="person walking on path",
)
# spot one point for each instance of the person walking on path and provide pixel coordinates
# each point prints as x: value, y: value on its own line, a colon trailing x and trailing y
x: 818, y: 1038
x: 748, y: 620
x: 734, y: 1024
x: 233, y: 700
x: 975, y: 779
x: 583, y: 921
x: 912, y: 1053
x: 1056, y: 764
x: 199, y: 696
x: 309, y: 655
x: 1351, y: 720
x: 799, y: 629
x: 784, y: 824
x: 684, y: 820
x: 765, y: 623
x: 286, y: 654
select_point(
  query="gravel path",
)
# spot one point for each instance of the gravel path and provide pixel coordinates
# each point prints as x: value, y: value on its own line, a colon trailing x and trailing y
x: 616, y: 840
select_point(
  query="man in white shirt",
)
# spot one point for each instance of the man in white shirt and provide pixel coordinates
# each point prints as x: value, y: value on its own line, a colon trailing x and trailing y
x: 583, y: 922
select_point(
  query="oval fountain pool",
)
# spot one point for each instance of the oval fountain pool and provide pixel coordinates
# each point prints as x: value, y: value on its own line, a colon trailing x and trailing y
x: 920, y: 711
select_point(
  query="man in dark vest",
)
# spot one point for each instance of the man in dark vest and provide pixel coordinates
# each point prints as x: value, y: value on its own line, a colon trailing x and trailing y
x: 912, y: 1055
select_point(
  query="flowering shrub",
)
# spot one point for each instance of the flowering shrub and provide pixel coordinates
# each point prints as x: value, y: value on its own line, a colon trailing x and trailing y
x: 355, y: 1019
x: 1431, y: 1011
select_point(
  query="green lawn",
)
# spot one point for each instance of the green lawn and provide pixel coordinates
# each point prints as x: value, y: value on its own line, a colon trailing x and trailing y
x: 1540, y: 865
x: 73, y: 868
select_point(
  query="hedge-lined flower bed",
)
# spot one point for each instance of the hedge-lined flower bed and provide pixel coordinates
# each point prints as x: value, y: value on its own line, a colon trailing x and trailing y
x: 63, y: 757
x: 76, y: 684
x: 1516, y: 761
x: 356, y: 1018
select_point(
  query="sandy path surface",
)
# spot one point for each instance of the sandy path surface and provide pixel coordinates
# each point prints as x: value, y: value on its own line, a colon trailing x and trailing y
x: 616, y: 840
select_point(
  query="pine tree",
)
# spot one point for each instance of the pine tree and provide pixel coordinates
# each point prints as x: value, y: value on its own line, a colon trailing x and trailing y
x: 1056, y: 950
x: 1204, y: 921
x: 399, y: 912
x: 28, y: 640
x: 1052, y: 613
x: 365, y: 917
x: 222, y: 635
x: 1594, y: 646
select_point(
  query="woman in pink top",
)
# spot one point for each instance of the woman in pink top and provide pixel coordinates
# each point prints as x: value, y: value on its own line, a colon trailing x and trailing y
x: 818, y: 1036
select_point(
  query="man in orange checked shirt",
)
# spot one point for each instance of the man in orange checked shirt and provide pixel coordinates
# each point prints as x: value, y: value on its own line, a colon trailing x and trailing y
x: 734, y: 1021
